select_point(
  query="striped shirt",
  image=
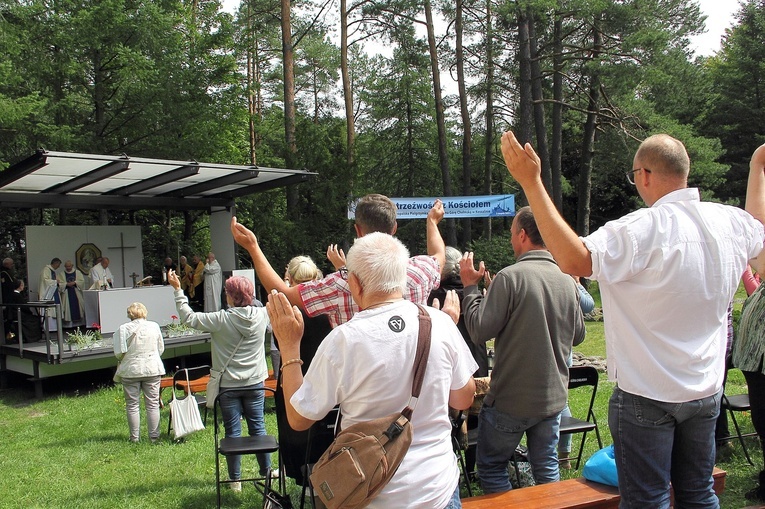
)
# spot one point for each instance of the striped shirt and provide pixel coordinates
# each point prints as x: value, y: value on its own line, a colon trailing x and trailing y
x: 331, y: 296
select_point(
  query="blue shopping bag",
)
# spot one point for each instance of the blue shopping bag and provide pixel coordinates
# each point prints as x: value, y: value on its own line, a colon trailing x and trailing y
x: 601, y: 467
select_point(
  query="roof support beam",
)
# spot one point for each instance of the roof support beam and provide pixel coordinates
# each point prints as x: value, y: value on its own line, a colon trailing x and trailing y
x: 91, y: 202
x: 228, y: 180
x: 259, y: 188
x: 160, y: 180
x: 103, y: 172
x: 23, y: 168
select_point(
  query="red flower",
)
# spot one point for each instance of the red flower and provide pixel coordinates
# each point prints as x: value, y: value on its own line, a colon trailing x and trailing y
x: 174, y: 317
x: 95, y: 326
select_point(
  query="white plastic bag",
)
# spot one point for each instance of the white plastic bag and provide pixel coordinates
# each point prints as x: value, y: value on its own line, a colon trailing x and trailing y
x: 185, y: 415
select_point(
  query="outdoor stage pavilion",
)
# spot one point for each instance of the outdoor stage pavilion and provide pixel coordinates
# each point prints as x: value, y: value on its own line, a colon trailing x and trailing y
x: 88, y: 181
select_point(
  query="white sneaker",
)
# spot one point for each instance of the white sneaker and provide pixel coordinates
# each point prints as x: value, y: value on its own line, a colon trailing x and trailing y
x: 235, y: 486
x: 274, y: 473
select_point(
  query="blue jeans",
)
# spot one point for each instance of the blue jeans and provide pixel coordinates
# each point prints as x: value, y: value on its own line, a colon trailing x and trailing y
x: 455, y: 502
x: 564, y: 444
x: 249, y: 405
x: 498, y: 436
x: 657, y: 442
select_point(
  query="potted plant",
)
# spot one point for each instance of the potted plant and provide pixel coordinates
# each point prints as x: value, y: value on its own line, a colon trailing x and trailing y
x: 175, y: 328
x: 79, y: 340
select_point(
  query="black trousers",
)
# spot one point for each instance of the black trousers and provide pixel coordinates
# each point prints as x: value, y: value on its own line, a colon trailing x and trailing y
x: 756, y: 383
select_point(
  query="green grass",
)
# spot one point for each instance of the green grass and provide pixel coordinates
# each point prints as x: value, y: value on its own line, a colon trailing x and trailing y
x: 70, y: 450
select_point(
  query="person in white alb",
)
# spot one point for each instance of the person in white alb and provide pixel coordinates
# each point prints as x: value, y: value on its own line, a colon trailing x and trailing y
x: 366, y: 366
x: 48, y: 287
x: 667, y: 274
x: 213, y: 284
x: 100, y: 276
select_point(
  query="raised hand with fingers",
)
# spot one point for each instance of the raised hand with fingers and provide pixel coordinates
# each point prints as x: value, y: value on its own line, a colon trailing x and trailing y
x: 468, y: 274
x: 521, y: 160
x: 487, y: 277
x: 451, y: 305
x: 243, y: 235
x: 286, y: 321
x: 173, y: 279
x: 436, y: 213
x: 336, y: 256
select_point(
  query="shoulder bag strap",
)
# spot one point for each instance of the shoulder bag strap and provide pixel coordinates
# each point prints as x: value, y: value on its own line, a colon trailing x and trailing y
x: 420, y: 359
x: 223, y: 369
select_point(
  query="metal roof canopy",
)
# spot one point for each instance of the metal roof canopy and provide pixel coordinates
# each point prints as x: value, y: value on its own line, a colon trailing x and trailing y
x: 89, y: 181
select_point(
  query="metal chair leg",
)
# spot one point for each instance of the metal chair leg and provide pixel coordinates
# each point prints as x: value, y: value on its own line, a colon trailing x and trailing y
x: 740, y: 438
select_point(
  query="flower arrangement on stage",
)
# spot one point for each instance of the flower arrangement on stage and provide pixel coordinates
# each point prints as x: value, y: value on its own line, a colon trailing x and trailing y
x: 176, y: 328
x: 84, y: 340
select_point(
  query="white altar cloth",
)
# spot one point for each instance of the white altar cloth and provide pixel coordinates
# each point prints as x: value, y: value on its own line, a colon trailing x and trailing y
x: 108, y: 308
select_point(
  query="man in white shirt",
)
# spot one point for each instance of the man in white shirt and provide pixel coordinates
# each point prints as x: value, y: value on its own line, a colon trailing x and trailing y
x: 101, y: 276
x: 667, y: 274
x: 366, y: 365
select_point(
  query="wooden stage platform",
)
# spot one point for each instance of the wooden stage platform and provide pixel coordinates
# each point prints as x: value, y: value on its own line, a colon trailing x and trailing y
x: 43, y: 360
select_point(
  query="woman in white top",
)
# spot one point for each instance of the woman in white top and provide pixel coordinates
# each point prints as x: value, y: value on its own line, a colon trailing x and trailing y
x: 138, y: 345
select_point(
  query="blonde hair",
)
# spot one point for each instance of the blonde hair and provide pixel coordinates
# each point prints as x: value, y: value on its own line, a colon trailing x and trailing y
x: 137, y: 310
x: 302, y: 269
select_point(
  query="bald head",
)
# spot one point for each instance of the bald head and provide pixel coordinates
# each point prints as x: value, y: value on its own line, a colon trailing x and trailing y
x: 7, y: 263
x: 665, y: 156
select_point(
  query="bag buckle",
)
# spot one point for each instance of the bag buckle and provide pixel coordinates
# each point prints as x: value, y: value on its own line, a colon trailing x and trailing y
x: 394, y: 430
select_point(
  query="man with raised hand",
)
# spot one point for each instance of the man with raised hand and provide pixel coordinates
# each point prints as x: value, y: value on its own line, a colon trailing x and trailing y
x: 531, y: 310
x: 331, y: 295
x: 666, y: 274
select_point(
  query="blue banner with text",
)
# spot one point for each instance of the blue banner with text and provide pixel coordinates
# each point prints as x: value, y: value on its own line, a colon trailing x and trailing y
x: 498, y: 205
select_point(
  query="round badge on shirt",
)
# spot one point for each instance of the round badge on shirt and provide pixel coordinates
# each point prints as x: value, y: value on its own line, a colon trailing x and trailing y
x: 396, y: 323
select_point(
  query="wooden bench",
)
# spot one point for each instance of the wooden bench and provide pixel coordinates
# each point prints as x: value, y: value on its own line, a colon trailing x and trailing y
x: 200, y: 385
x: 576, y: 493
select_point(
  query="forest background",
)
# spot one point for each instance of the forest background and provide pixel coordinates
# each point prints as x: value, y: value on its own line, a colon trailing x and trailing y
x: 290, y: 84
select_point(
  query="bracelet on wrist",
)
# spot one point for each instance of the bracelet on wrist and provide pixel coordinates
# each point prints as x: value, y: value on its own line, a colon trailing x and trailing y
x: 291, y: 361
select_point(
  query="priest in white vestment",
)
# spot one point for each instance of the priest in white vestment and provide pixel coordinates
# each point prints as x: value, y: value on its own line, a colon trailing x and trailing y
x: 100, y: 276
x: 213, y: 284
x: 47, y: 290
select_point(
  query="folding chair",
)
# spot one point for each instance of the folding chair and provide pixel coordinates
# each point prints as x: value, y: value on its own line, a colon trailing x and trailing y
x: 194, y: 377
x: 457, y: 431
x: 472, y: 442
x: 245, y: 445
x: 582, y: 376
x: 733, y: 404
x: 325, y: 428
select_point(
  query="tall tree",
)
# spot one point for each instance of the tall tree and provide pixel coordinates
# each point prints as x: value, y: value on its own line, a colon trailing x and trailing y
x: 290, y: 156
x: 738, y: 76
x: 350, y: 120
x: 443, y: 156
x: 588, y: 137
x: 467, y: 134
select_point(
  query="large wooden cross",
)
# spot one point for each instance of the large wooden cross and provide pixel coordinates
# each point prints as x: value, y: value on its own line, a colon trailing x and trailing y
x: 122, y: 248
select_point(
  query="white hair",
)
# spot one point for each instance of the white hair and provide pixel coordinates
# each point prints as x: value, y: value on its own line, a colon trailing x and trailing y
x: 380, y: 262
x: 451, y: 262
